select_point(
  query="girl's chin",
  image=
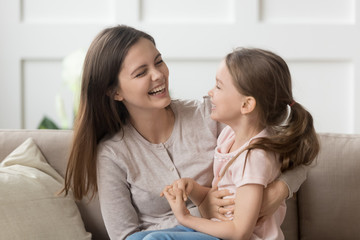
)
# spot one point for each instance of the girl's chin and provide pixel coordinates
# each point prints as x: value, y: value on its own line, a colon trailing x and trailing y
x: 213, y: 116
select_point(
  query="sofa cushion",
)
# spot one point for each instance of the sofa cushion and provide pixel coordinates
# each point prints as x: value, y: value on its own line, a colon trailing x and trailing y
x: 29, y: 205
x: 55, y: 147
x: 329, y: 200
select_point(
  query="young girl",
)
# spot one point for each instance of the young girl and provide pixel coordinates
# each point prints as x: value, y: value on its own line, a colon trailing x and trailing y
x: 267, y: 133
x: 128, y: 129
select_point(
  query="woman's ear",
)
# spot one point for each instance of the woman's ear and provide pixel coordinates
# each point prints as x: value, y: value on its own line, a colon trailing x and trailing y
x: 118, y: 96
x: 248, y: 105
x: 115, y: 94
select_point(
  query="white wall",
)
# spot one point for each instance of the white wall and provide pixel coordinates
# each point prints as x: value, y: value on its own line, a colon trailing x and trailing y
x: 319, y: 40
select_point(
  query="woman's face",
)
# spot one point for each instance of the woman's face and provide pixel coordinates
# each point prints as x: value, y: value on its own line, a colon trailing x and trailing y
x: 143, y: 79
x: 225, y: 98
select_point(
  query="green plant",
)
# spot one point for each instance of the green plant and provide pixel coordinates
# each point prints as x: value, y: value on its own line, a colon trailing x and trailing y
x: 71, y: 76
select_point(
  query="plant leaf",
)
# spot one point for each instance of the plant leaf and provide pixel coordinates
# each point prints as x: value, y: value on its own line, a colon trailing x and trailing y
x: 47, y: 123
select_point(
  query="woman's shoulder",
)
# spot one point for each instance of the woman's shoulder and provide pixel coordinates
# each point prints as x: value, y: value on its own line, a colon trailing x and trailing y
x: 186, y: 103
x: 111, y: 143
x: 192, y: 106
x: 194, y: 116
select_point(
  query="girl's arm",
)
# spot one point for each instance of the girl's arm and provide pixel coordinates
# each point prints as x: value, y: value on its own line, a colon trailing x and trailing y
x: 247, y: 207
x: 189, y: 188
x: 282, y: 188
x: 198, y: 193
x: 213, y: 205
x: 210, y: 201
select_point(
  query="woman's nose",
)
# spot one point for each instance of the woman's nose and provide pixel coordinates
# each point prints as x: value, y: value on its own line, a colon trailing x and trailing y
x: 156, y: 74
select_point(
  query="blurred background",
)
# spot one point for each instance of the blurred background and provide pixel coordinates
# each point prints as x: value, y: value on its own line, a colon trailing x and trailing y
x: 43, y: 42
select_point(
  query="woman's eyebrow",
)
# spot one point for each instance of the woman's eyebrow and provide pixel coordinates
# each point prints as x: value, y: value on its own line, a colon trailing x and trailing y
x: 142, y: 66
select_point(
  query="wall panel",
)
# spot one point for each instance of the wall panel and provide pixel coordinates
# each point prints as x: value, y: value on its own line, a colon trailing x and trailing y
x: 187, y: 11
x: 308, y: 11
x: 319, y: 39
x: 191, y: 79
x: 41, y: 85
x: 66, y: 11
x: 325, y: 89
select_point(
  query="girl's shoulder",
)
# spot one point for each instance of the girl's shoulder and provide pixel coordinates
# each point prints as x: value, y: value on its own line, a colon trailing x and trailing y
x: 225, y: 134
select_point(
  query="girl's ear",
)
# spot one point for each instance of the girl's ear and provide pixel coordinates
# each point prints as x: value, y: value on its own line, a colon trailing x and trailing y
x: 248, y: 105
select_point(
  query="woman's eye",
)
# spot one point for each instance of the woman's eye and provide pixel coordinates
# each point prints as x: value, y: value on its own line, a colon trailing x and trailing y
x: 140, y: 74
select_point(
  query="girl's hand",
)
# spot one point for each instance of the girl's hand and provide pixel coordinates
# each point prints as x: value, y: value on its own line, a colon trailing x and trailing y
x: 169, y: 190
x: 186, y: 185
x: 213, y: 204
x: 175, y: 198
x: 274, y: 195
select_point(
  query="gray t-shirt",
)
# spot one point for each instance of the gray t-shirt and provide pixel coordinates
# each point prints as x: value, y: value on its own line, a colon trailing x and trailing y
x: 132, y: 171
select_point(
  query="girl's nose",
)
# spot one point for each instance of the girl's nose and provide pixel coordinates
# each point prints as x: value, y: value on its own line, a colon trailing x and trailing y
x: 210, y: 92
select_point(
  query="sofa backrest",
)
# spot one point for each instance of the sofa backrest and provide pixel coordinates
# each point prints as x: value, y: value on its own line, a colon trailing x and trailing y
x: 327, y: 205
x: 55, y: 146
x: 329, y: 200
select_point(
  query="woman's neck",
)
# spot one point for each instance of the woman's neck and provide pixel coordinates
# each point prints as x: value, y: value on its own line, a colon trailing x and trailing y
x: 155, y: 126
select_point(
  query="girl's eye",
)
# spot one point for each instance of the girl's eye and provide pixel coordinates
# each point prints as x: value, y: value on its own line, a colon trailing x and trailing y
x: 159, y: 62
x: 217, y: 86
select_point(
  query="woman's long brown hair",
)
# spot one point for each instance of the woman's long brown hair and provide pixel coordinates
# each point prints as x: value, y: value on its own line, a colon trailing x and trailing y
x: 99, y: 114
x: 266, y: 77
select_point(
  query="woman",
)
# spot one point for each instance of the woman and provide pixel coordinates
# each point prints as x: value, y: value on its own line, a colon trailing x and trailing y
x: 131, y: 139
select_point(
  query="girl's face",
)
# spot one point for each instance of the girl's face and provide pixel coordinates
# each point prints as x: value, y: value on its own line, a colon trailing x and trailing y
x: 143, y: 79
x: 225, y: 98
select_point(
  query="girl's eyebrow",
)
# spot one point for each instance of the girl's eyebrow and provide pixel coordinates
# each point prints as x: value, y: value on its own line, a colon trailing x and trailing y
x: 157, y: 56
x: 219, y: 81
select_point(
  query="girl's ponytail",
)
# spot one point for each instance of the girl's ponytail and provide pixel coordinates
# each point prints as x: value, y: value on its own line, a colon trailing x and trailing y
x: 302, y: 141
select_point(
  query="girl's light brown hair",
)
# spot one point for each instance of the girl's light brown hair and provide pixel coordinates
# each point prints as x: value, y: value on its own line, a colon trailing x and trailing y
x: 266, y: 77
x: 99, y: 114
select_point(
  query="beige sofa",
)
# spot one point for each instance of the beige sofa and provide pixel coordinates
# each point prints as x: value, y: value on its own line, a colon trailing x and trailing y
x: 327, y: 205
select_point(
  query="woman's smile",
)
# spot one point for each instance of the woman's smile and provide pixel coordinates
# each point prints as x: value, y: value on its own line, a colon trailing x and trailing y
x: 158, y: 90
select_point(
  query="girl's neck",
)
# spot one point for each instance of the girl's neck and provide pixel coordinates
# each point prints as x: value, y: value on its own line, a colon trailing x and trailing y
x: 244, y: 132
x: 155, y: 126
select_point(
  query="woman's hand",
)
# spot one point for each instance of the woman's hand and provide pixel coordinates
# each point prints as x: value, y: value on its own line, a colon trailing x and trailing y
x: 213, y: 204
x: 273, y: 196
